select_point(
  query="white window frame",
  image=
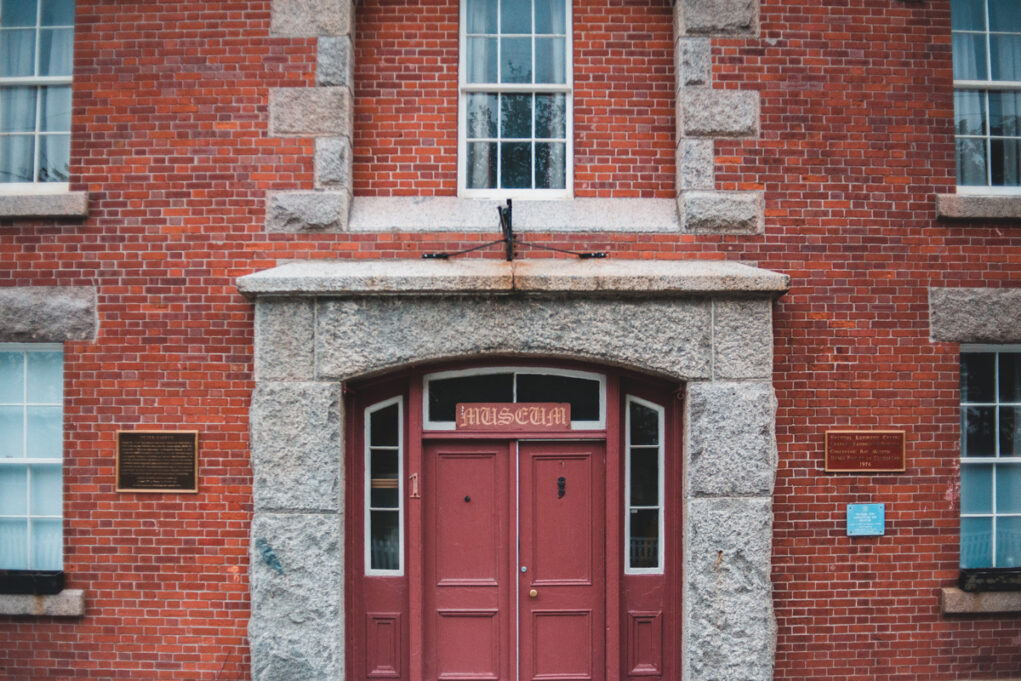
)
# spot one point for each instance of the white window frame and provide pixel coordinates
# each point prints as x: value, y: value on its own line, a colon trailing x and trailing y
x: 599, y: 424
x: 995, y: 461
x: 40, y: 83
x: 464, y: 88
x: 985, y: 86
x: 661, y: 483
x: 28, y: 461
x: 369, y: 411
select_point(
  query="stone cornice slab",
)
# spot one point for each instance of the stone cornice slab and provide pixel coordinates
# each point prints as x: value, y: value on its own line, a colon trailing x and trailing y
x: 461, y: 277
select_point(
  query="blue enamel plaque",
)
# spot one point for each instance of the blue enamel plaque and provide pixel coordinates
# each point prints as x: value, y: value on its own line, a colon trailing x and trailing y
x: 865, y: 520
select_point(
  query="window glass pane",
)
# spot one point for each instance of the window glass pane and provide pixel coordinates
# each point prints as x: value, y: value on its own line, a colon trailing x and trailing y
x: 47, y: 490
x: 1004, y: 55
x: 515, y: 16
x: 56, y: 109
x: 969, y: 56
x: 12, y: 432
x: 516, y: 116
x: 57, y: 13
x: 969, y: 112
x: 45, y: 377
x: 550, y: 60
x: 1005, y: 162
x: 1010, y: 377
x: 644, y: 425
x: 12, y: 376
x: 482, y: 115
x: 515, y: 60
x: 383, y: 428
x: 13, y: 544
x: 977, y: 377
x: 45, y: 432
x: 645, y: 476
x: 516, y: 165
x: 54, y: 158
x: 383, y: 480
x: 1004, y: 15
x: 581, y: 393
x: 976, y: 542
x: 444, y: 394
x: 644, y: 549
x: 549, y: 16
x: 976, y: 488
x: 1003, y: 112
x: 17, y: 52
x: 967, y: 15
x: 13, y: 490
x: 1010, y: 431
x: 977, y: 430
x: 1008, y: 488
x: 971, y: 162
x: 55, y: 51
x: 481, y: 170
x: 1008, y: 542
x: 384, y: 540
x: 17, y: 109
x: 550, y: 165
x: 481, y: 16
x: 16, y: 158
x: 47, y: 549
x: 481, y: 60
x: 551, y: 116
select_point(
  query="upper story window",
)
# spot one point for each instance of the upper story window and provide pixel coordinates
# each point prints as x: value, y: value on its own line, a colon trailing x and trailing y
x: 515, y: 104
x: 36, y: 45
x: 31, y: 457
x: 991, y: 457
x: 987, y: 93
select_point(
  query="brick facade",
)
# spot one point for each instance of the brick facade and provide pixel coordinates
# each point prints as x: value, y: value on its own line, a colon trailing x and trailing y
x: 171, y: 141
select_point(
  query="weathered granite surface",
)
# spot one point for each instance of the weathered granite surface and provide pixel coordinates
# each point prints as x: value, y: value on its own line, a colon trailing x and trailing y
x: 975, y: 315
x: 47, y: 314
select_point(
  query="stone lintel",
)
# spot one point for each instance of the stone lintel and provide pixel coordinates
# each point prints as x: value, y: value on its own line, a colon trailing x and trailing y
x: 284, y: 338
x: 975, y: 315
x: 310, y: 112
x: 315, y: 211
x: 47, y: 314
x: 743, y: 339
x: 953, y: 601
x: 597, y: 277
x: 721, y: 212
x: 976, y: 207
x: 311, y: 18
x: 67, y: 603
x: 714, y: 113
x: 59, y: 205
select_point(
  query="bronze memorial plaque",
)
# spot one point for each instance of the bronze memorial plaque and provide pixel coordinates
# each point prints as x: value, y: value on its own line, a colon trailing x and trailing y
x: 513, y: 417
x: 157, y: 461
x: 865, y: 451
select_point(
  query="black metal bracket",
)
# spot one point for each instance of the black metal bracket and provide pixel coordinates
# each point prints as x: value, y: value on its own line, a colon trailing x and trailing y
x: 510, y: 241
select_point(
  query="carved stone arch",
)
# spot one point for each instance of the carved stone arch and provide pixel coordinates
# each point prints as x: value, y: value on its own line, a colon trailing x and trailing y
x: 319, y: 324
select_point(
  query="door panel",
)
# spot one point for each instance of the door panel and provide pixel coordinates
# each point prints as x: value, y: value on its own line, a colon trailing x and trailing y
x: 467, y: 561
x: 561, y: 595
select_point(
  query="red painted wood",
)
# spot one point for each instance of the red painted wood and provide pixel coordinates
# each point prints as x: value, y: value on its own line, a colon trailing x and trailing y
x: 561, y: 595
x: 413, y: 514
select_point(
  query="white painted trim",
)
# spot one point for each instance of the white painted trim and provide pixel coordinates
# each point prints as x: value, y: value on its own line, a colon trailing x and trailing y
x: 36, y: 188
x: 661, y: 483
x: 367, y: 482
x: 482, y: 371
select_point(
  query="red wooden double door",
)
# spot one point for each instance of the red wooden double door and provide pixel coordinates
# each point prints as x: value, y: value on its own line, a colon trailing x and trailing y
x: 513, y: 560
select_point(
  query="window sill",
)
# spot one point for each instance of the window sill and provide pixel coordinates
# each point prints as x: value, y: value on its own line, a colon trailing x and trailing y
x: 67, y: 603
x: 957, y: 602
x: 64, y: 205
x: 978, y: 207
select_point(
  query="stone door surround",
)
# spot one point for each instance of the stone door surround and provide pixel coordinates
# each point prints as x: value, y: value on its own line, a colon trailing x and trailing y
x: 318, y: 324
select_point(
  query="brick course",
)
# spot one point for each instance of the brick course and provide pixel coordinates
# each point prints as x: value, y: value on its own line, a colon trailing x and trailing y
x: 170, y: 139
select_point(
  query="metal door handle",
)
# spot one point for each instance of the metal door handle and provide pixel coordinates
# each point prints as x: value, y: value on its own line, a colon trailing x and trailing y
x: 533, y: 594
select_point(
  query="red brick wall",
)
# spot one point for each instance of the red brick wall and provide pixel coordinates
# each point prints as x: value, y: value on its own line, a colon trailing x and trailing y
x: 170, y: 139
